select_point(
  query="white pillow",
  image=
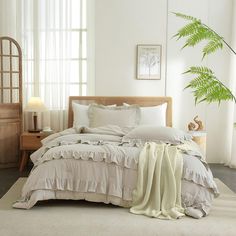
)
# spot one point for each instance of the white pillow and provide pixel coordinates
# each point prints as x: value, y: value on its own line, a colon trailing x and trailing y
x: 100, y: 115
x: 142, y: 134
x: 81, y: 114
x: 155, y: 115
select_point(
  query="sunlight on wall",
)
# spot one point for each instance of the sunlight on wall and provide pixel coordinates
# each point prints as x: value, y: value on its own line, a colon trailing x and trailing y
x: 175, y: 86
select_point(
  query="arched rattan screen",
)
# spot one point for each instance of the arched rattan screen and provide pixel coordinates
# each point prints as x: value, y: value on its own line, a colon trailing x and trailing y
x: 10, y: 101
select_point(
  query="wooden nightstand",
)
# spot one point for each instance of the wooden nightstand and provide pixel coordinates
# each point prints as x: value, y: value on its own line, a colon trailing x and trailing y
x: 29, y: 142
x: 199, y: 137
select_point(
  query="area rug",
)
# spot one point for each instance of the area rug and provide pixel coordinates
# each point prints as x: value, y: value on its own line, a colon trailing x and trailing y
x: 69, y: 218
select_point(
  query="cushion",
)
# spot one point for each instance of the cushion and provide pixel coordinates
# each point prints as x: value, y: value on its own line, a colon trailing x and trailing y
x: 154, y: 115
x: 81, y: 114
x: 142, y: 134
x: 100, y: 115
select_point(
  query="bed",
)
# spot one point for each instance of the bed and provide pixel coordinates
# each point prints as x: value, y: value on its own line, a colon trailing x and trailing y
x: 111, y: 159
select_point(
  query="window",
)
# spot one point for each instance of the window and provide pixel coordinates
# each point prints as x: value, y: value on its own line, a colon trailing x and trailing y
x: 54, y: 43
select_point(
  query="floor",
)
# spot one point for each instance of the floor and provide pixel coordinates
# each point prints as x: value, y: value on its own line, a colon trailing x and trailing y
x: 9, y: 176
x: 225, y: 174
x: 73, y: 218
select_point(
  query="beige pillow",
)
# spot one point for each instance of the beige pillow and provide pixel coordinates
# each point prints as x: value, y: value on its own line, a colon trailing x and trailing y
x: 142, y: 134
x: 81, y: 114
x: 100, y: 115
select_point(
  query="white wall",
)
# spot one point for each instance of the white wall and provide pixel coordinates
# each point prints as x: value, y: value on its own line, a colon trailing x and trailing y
x: 232, y: 159
x: 119, y: 26
x: 218, y: 123
x: 8, y: 15
x: 217, y: 14
x: 179, y: 61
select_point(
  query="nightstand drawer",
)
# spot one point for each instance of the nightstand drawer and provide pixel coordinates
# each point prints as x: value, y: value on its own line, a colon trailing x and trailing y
x: 31, y: 142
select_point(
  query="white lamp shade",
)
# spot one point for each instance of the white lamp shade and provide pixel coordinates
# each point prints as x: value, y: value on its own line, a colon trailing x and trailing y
x: 35, y: 104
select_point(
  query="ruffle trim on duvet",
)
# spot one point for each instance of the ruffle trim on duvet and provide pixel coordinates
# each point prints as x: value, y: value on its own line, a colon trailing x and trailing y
x: 81, y: 186
x: 40, y: 195
x: 201, y: 180
x: 200, y: 205
x: 120, y: 160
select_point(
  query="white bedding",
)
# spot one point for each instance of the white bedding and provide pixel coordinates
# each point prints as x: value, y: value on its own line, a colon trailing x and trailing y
x: 97, y: 166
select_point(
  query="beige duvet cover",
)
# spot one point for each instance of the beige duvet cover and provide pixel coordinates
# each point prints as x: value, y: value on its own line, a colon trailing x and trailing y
x: 97, y: 166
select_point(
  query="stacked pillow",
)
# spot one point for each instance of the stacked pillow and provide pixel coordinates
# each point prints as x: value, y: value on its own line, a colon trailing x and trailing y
x: 148, y: 122
x: 125, y: 116
x: 155, y: 115
x: 158, y: 134
x: 81, y: 114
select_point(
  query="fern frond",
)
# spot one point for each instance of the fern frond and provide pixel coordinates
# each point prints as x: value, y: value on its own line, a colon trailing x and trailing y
x: 196, y: 31
x: 206, y: 87
x: 199, y: 35
x: 186, y: 17
x: 200, y: 70
x: 187, y: 30
x: 212, y: 46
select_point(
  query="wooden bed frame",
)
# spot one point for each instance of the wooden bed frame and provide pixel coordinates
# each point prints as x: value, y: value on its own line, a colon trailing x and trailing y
x: 142, y: 101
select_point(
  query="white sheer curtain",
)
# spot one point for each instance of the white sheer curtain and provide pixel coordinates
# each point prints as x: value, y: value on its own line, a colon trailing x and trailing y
x: 54, y: 42
x: 8, y: 18
x: 53, y: 37
x: 231, y: 162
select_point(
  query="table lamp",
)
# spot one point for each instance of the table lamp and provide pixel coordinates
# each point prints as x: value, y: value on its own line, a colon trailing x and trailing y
x: 35, y: 105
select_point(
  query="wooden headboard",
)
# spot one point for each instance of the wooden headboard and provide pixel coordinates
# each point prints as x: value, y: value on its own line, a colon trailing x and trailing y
x: 142, y: 101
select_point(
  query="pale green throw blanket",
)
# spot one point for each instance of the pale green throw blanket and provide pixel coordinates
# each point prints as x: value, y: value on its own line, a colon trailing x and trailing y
x: 158, y: 192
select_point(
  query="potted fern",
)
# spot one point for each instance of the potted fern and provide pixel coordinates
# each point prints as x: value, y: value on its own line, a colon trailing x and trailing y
x: 205, y: 85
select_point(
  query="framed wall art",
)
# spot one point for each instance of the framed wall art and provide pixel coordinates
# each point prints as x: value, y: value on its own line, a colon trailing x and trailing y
x: 149, y: 62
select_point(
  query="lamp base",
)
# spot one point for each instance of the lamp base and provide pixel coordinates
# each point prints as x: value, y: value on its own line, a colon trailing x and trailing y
x: 34, y: 130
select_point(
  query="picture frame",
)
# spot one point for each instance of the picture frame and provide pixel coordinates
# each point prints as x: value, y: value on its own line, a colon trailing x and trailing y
x: 148, y: 62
